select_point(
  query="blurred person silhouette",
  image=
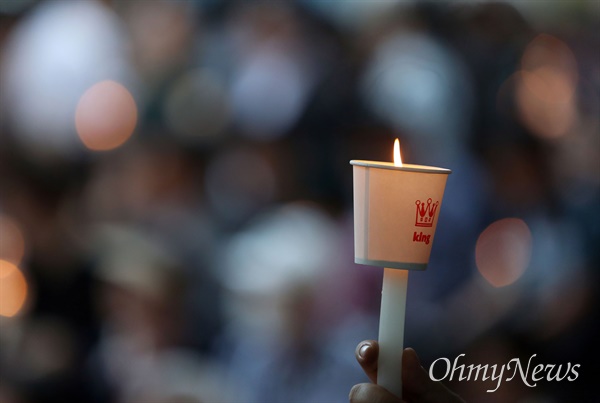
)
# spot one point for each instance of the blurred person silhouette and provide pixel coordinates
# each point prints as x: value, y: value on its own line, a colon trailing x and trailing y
x: 140, y: 356
x: 274, y: 345
x: 154, y: 183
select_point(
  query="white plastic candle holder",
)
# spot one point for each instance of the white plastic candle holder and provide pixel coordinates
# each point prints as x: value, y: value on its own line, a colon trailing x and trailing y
x: 396, y: 209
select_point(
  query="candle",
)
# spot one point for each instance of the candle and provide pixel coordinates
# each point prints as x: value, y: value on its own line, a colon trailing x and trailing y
x: 396, y: 208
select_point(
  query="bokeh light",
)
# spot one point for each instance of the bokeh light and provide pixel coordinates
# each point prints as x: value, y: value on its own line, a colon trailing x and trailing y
x: 240, y: 182
x: 13, y: 289
x: 503, y: 251
x: 106, y: 116
x: 280, y: 252
x: 154, y: 54
x: 547, y: 51
x: 294, y: 242
x: 546, y: 87
x: 52, y: 56
x: 12, y: 243
x: 547, y: 116
x: 197, y: 108
x: 412, y: 82
x: 270, y: 92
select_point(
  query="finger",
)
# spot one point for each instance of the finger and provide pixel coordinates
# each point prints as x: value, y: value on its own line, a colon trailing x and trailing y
x: 370, y: 393
x: 366, y: 354
x: 418, y: 387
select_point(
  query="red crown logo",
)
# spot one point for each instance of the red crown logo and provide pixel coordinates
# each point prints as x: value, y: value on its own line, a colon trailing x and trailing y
x: 425, y: 213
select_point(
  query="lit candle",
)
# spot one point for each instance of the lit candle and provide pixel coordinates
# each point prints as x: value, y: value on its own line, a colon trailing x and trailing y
x: 395, y: 216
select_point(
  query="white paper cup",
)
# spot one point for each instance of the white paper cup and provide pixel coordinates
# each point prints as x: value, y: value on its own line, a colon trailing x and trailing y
x: 396, y: 210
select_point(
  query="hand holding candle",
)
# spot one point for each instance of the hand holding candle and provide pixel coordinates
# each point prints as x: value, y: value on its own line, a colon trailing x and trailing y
x: 395, y: 215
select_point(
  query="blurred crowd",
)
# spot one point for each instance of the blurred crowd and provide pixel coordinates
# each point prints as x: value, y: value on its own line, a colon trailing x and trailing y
x: 176, y: 200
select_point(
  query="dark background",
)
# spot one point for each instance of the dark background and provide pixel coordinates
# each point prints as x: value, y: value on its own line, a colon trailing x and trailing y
x: 207, y: 254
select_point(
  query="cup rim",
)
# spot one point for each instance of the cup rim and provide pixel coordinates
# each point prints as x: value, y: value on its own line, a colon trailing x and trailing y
x: 404, y: 167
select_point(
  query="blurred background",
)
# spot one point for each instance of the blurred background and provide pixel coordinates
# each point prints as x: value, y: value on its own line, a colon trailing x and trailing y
x: 176, y: 199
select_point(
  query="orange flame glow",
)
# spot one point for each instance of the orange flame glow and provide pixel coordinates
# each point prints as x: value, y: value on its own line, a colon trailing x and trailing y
x: 397, y: 157
x: 13, y: 289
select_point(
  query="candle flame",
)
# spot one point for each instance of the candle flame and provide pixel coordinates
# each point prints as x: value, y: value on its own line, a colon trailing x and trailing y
x: 397, y: 157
